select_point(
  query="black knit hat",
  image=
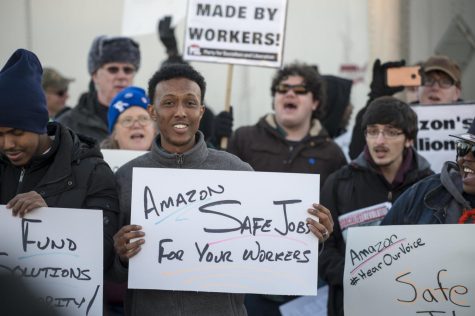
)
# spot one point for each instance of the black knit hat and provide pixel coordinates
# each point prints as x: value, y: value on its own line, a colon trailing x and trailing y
x: 23, y: 102
x: 113, y: 50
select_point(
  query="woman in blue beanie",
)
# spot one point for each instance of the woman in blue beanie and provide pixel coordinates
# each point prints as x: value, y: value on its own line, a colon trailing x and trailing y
x: 130, y: 125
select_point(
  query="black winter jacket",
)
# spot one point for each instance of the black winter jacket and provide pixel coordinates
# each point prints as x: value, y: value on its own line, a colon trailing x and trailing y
x: 71, y: 175
x: 84, y: 119
x: 265, y: 148
x: 356, y: 186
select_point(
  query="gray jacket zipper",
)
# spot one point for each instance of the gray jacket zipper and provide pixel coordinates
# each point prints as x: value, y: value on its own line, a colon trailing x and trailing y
x: 180, y: 159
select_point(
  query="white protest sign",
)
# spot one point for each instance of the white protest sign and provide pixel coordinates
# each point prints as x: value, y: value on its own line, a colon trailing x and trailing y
x: 50, y: 249
x: 410, y: 270
x: 246, y: 32
x: 141, y: 16
x: 224, y: 231
x: 115, y: 158
x: 436, y: 123
x: 307, y: 305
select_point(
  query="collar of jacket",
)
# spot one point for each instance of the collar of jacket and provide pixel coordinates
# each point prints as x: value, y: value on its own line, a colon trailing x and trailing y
x: 86, y: 109
x: 316, y: 128
x: 190, y: 159
x: 451, y: 182
x: 71, y: 148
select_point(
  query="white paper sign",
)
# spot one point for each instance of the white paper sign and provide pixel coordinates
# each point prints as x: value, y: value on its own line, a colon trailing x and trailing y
x: 410, y: 270
x: 50, y: 249
x: 436, y: 123
x: 224, y: 231
x: 246, y: 32
x: 141, y: 16
x: 115, y: 158
x: 307, y: 305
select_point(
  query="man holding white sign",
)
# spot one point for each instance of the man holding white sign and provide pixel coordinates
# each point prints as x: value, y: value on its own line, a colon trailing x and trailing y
x: 358, y: 194
x: 45, y: 164
x: 177, y: 92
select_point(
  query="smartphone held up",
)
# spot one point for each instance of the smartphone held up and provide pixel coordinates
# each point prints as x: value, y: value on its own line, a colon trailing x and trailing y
x: 404, y: 76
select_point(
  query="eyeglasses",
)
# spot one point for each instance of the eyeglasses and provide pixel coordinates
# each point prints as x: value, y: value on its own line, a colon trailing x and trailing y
x: 61, y: 93
x: 129, y: 121
x: 296, y: 88
x: 115, y: 69
x: 387, y: 133
x: 463, y: 148
x: 444, y: 82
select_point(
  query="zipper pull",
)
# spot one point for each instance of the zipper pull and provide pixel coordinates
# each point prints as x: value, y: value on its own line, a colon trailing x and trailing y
x: 180, y: 159
x: 22, y: 174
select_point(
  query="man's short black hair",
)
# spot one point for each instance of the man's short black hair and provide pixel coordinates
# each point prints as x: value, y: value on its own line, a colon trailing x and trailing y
x: 391, y: 111
x: 173, y: 71
x: 311, y: 78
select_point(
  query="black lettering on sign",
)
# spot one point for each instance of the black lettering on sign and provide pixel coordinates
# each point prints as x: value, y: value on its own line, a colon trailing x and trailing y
x: 172, y: 255
x: 181, y: 199
x: 208, y: 256
x: 289, y: 226
x: 48, y: 243
x: 227, y: 11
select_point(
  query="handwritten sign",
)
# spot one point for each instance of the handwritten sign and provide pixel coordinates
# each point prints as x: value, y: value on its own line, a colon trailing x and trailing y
x: 224, y: 231
x: 436, y: 123
x: 246, y: 32
x: 115, y: 158
x: 410, y: 270
x: 49, y: 249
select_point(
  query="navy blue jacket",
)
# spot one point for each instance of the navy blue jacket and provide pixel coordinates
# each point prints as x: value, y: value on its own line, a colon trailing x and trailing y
x: 437, y: 199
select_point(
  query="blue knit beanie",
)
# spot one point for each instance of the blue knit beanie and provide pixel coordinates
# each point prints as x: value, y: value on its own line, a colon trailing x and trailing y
x: 130, y: 96
x: 22, y: 100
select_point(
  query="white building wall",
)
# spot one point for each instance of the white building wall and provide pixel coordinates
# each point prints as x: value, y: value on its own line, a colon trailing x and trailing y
x: 326, y: 33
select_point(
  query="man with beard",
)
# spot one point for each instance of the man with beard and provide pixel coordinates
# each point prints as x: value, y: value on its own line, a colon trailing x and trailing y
x: 381, y: 173
x: 445, y: 198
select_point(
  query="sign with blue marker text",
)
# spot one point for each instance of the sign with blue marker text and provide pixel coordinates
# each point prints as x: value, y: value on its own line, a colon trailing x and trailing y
x: 246, y: 32
x: 224, y: 231
x: 410, y: 270
x: 51, y: 251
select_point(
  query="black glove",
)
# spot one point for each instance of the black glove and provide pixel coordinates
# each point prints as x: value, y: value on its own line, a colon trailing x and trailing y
x: 378, y: 86
x: 166, y: 34
x: 223, y: 124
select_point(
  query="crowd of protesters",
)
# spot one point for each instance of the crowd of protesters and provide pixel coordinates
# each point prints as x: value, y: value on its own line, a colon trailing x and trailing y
x: 50, y: 155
